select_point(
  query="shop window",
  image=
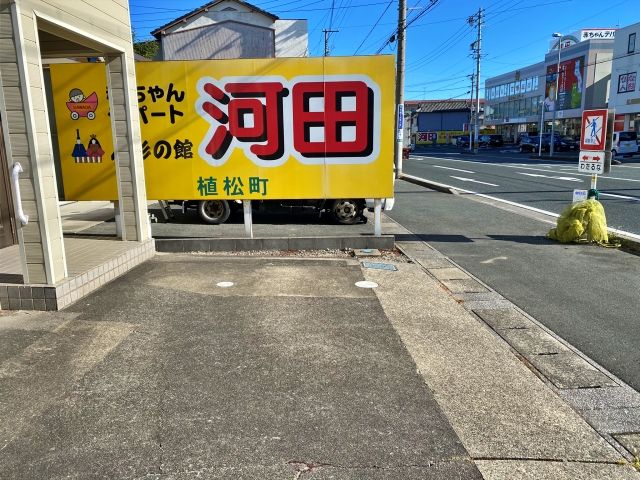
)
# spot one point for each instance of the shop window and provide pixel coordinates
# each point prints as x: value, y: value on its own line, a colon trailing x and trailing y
x: 631, y: 47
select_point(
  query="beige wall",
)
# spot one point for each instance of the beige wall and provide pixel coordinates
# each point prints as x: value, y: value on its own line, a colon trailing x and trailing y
x: 101, y: 26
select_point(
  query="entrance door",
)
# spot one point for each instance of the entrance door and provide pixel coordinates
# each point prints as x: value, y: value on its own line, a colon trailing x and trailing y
x: 7, y: 226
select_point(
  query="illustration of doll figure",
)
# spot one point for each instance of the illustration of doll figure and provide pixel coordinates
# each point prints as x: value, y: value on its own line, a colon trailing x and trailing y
x: 78, y: 149
x: 94, y: 149
x: 76, y: 95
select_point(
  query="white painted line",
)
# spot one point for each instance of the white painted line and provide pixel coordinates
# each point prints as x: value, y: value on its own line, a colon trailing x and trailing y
x: 625, y: 197
x: 366, y: 284
x: 491, y: 260
x: 463, y: 179
x: 450, y: 168
x: 630, y: 235
x: 567, y: 179
x: 224, y: 284
x: 538, y: 168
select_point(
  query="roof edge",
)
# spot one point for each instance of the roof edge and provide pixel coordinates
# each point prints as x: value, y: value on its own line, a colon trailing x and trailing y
x: 158, y: 31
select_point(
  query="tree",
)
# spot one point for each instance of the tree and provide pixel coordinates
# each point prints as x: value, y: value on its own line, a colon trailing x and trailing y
x: 147, y: 49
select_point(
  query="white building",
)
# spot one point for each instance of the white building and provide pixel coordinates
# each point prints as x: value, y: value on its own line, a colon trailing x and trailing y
x: 225, y: 29
x: 625, y: 94
x: 514, y: 99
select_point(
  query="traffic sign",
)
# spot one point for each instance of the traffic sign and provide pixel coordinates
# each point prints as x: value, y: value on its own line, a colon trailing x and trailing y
x: 591, y: 162
x: 594, y: 130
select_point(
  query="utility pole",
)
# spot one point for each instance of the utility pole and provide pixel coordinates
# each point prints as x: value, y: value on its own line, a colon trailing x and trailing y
x: 476, y: 46
x: 402, y: 25
x: 471, y: 108
x: 326, y: 41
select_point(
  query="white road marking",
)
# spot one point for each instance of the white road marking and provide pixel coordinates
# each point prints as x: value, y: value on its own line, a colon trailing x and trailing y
x: 463, y: 179
x: 456, y: 169
x: 620, y: 196
x: 537, y: 169
x: 527, y: 207
x: 567, y: 179
x: 491, y: 260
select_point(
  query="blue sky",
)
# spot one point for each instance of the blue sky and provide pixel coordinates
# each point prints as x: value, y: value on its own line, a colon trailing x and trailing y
x: 516, y: 33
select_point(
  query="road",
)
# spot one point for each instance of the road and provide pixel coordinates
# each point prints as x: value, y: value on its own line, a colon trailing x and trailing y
x: 588, y: 295
x: 545, y: 185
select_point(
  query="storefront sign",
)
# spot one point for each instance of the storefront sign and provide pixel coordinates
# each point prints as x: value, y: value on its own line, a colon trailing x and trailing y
x: 236, y: 129
x: 627, y: 82
x: 598, y: 34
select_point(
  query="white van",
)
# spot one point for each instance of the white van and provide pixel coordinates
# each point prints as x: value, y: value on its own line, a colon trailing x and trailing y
x: 624, y: 143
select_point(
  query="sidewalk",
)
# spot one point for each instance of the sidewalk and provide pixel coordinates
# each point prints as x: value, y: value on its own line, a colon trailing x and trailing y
x: 292, y: 372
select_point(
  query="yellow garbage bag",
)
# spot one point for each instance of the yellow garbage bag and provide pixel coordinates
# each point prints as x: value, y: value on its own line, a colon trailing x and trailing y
x: 581, y: 221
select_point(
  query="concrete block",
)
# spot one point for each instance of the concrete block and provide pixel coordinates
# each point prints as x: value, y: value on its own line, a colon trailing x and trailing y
x: 630, y: 441
x: 503, y: 318
x: 302, y: 243
x: 39, y: 304
x: 26, y: 304
x: 247, y: 244
x: 276, y: 243
x: 462, y: 286
x: 568, y: 370
x: 448, y: 274
x: 533, y: 341
x: 51, y: 304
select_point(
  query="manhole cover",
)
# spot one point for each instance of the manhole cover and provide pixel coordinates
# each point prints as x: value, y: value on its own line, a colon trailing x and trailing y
x: 380, y: 266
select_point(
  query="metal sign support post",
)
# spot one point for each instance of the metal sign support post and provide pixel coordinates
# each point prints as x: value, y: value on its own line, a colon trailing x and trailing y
x: 377, y: 217
x: 540, y: 129
x: 248, y: 219
x: 594, y: 181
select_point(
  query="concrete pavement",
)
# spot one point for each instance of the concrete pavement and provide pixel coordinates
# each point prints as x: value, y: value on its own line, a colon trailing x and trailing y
x: 291, y: 372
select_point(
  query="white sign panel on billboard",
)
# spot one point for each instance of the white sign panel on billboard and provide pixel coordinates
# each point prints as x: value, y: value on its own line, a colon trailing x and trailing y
x: 598, y: 34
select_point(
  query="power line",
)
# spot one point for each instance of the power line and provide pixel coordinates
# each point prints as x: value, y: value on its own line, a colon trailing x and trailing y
x: 374, y: 26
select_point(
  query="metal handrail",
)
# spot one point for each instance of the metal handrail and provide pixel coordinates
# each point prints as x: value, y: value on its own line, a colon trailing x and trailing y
x: 15, y: 172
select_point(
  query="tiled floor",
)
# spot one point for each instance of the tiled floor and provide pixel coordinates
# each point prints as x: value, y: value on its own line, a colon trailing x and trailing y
x: 10, y: 267
x: 91, y: 263
x: 83, y: 254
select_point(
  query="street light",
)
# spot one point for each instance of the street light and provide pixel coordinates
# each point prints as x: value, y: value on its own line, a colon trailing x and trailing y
x: 555, y: 101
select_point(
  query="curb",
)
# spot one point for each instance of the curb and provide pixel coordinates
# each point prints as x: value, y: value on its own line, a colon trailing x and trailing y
x: 179, y: 245
x: 428, y: 184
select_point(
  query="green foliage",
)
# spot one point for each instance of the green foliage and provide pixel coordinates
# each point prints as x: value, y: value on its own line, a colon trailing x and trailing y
x: 147, y: 49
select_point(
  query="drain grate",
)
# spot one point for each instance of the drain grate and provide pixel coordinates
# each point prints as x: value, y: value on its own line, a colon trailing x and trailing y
x: 380, y: 266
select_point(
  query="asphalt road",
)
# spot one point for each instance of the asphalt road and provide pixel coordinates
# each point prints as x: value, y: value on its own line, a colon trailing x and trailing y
x: 588, y: 295
x: 543, y: 184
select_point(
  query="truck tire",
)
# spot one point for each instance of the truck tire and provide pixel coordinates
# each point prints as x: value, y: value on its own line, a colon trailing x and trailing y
x: 214, y: 212
x: 346, y: 211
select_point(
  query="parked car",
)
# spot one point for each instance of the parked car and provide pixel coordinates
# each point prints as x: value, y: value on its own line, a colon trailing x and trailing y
x: 529, y: 143
x: 624, y: 143
x: 571, y: 143
x: 559, y: 143
x: 493, y: 140
x: 522, y: 136
x: 462, y: 141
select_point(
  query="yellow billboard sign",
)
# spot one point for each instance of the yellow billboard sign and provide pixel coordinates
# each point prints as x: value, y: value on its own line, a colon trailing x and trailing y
x: 284, y: 128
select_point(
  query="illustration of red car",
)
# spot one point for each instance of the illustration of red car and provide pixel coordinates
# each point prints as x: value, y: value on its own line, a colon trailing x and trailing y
x: 85, y: 108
